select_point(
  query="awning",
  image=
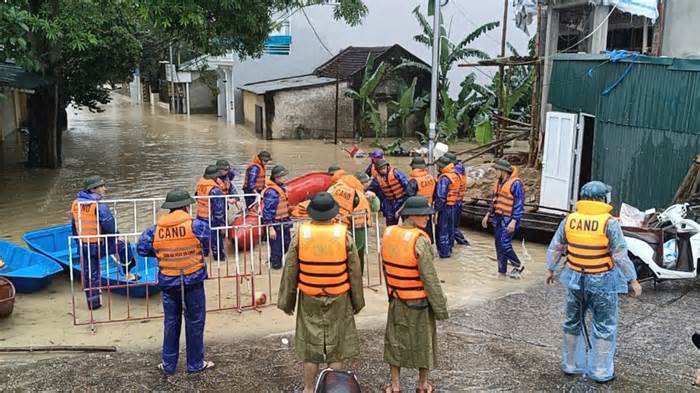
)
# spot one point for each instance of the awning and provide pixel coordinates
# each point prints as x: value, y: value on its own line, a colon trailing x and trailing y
x: 15, y: 77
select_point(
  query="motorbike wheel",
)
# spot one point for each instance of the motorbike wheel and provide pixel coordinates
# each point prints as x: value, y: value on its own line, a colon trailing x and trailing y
x: 643, y: 271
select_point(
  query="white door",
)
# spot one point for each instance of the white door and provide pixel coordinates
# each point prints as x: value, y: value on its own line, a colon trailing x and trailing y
x: 558, y: 161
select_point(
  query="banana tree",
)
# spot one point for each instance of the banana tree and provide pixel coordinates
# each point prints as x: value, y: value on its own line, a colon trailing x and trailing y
x: 369, y: 114
x: 407, y: 104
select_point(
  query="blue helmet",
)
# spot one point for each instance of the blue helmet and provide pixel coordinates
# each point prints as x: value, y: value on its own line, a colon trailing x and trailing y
x: 595, y: 191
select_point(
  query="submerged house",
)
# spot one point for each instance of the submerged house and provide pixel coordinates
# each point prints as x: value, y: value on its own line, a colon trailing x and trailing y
x: 304, y: 106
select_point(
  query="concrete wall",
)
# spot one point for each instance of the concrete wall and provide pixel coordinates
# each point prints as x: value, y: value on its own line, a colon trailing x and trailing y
x: 250, y: 101
x: 13, y: 111
x: 201, y: 98
x: 310, y: 113
x: 681, y: 33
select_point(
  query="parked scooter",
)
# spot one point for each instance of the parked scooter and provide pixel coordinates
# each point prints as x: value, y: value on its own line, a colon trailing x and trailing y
x: 646, y: 246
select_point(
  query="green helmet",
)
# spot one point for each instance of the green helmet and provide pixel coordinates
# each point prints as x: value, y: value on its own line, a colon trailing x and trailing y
x: 211, y: 172
x: 177, y: 198
x: 450, y: 156
x: 322, y: 207
x: 333, y: 168
x: 264, y: 156
x: 443, y: 162
x: 93, y: 182
x: 278, y: 171
x: 416, y: 206
x: 223, y: 165
x: 503, y: 165
x: 418, y: 162
x: 381, y: 163
x: 363, y: 177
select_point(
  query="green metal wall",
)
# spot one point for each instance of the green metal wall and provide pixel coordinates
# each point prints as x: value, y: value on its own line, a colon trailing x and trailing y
x: 646, y: 130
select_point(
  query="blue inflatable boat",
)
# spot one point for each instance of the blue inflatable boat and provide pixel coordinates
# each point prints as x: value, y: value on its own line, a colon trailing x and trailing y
x: 53, y: 242
x: 29, y: 271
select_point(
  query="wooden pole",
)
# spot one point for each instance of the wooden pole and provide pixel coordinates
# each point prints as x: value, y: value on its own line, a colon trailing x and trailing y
x: 501, y: 70
x: 536, y: 89
x: 337, y: 87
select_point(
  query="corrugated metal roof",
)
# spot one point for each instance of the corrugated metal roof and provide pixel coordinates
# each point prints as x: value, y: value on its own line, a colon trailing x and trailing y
x: 16, y: 77
x: 646, y: 129
x: 295, y: 82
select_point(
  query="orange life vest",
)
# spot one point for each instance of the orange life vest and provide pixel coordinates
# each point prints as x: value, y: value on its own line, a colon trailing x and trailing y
x: 300, y: 210
x: 260, y: 180
x: 462, y: 186
x: 588, y: 246
x: 323, y: 260
x: 337, y: 175
x: 177, y: 248
x: 224, y: 184
x: 283, y: 204
x: 85, y: 219
x: 503, y: 197
x: 401, y: 263
x: 203, y: 188
x: 391, y: 187
x: 453, y: 190
x: 344, y: 192
x: 426, y: 183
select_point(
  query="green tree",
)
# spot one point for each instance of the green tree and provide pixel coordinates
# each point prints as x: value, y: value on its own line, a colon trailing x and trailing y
x: 80, y: 45
x: 369, y: 114
x: 407, y: 104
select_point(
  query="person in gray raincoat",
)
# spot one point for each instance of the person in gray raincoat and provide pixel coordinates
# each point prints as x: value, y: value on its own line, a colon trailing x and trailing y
x: 416, y: 299
x: 323, y: 267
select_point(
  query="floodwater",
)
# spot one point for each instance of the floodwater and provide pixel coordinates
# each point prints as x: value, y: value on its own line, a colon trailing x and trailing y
x: 143, y: 153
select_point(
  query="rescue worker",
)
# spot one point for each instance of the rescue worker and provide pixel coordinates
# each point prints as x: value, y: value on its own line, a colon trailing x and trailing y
x: 180, y: 244
x: 416, y: 299
x: 212, y: 210
x: 226, y: 179
x: 422, y: 183
x: 255, y: 174
x: 507, y: 211
x: 323, y: 266
x: 276, y: 211
x: 300, y: 211
x: 461, y: 172
x: 336, y: 173
x: 91, y: 218
x: 390, y: 186
x: 374, y: 156
x: 597, y: 269
x: 354, y: 210
x: 446, y: 196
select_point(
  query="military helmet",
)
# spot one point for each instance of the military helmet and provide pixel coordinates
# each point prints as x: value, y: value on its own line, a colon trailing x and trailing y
x: 322, y: 207
x: 278, y: 171
x: 211, y: 172
x: 503, y: 165
x: 418, y: 162
x: 416, y: 206
x: 177, y: 198
x: 92, y: 182
x: 264, y: 156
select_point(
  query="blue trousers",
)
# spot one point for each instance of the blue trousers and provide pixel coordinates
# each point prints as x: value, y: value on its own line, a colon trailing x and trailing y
x: 195, y: 314
x: 218, y: 249
x: 277, y: 249
x: 504, y: 243
x: 597, y: 363
x: 389, y: 209
x: 459, y: 236
x: 445, y: 231
x: 90, y: 266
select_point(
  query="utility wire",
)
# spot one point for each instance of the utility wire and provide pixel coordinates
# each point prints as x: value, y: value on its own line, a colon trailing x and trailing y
x: 315, y: 32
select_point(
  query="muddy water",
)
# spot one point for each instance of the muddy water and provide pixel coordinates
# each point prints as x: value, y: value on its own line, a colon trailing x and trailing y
x: 144, y: 153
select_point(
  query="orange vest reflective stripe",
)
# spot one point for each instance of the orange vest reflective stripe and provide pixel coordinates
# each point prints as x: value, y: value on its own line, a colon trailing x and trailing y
x: 401, y: 263
x: 283, y: 204
x: 224, y: 185
x: 453, y: 189
x: 391, y: 187
x: 426, y: 183
x: 300, y: 210
x: 503, y: 198
x: 203, y: 188
x: 260, y: 180
x: 177, y: 248
x: 323, y: 260
x: 85, y: 219
x: 588, y: 246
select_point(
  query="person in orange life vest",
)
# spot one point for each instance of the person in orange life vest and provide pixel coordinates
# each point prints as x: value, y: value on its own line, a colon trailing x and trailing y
x: 226, y: 179
x: 390, y: 187
x: 276, y: 211
x: 421, y: 183
x: 212, y: 210
x: 374, y: 156
x: 336, y: 173
x: 180, y: 244
x: 416, y: 299
x: 89, y: 217
x: 507, y: 211
x: 322, y: 274
x: 446, y: 196
x: 300, y: 211
x: 461, y: 172
x: 255, y: 175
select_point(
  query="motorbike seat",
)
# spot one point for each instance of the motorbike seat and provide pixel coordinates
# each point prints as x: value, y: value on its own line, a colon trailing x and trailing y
x: 653, y: 237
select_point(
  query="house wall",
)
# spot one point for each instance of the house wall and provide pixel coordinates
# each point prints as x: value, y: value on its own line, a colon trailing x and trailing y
x: 13, y: 111
x: 201, y: 98
x: 250, y: 100
x: 681, y: 32
x: 310, y: 113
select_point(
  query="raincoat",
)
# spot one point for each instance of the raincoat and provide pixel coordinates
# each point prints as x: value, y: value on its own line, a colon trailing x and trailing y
x: 325, y: 328
x: 280, y: 244
x: 195, y: 304
x: 504, y: 240
x: 597, y: 293
x: 91, y: 253
x: 446, y: 214
x: 411, y: 335
x: 250, y: 180
x: 228, y: 179
x: 390, y: 207
x: 459, y: 236
x: 217, y: 210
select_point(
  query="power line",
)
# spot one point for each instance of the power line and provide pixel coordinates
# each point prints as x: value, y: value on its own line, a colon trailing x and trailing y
x: 604, y: 21
x: 315, y: 32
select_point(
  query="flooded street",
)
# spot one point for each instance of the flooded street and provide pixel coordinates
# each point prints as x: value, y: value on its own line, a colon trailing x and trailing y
x: 503, y: 334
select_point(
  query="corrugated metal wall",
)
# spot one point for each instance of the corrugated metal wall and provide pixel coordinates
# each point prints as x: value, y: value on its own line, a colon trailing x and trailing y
x: 646, y: 129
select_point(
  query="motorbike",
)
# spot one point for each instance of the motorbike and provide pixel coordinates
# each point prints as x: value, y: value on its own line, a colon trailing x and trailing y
x: 646, y: 246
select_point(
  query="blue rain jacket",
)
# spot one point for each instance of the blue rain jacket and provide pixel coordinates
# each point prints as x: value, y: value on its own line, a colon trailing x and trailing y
x: 270, y: 201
